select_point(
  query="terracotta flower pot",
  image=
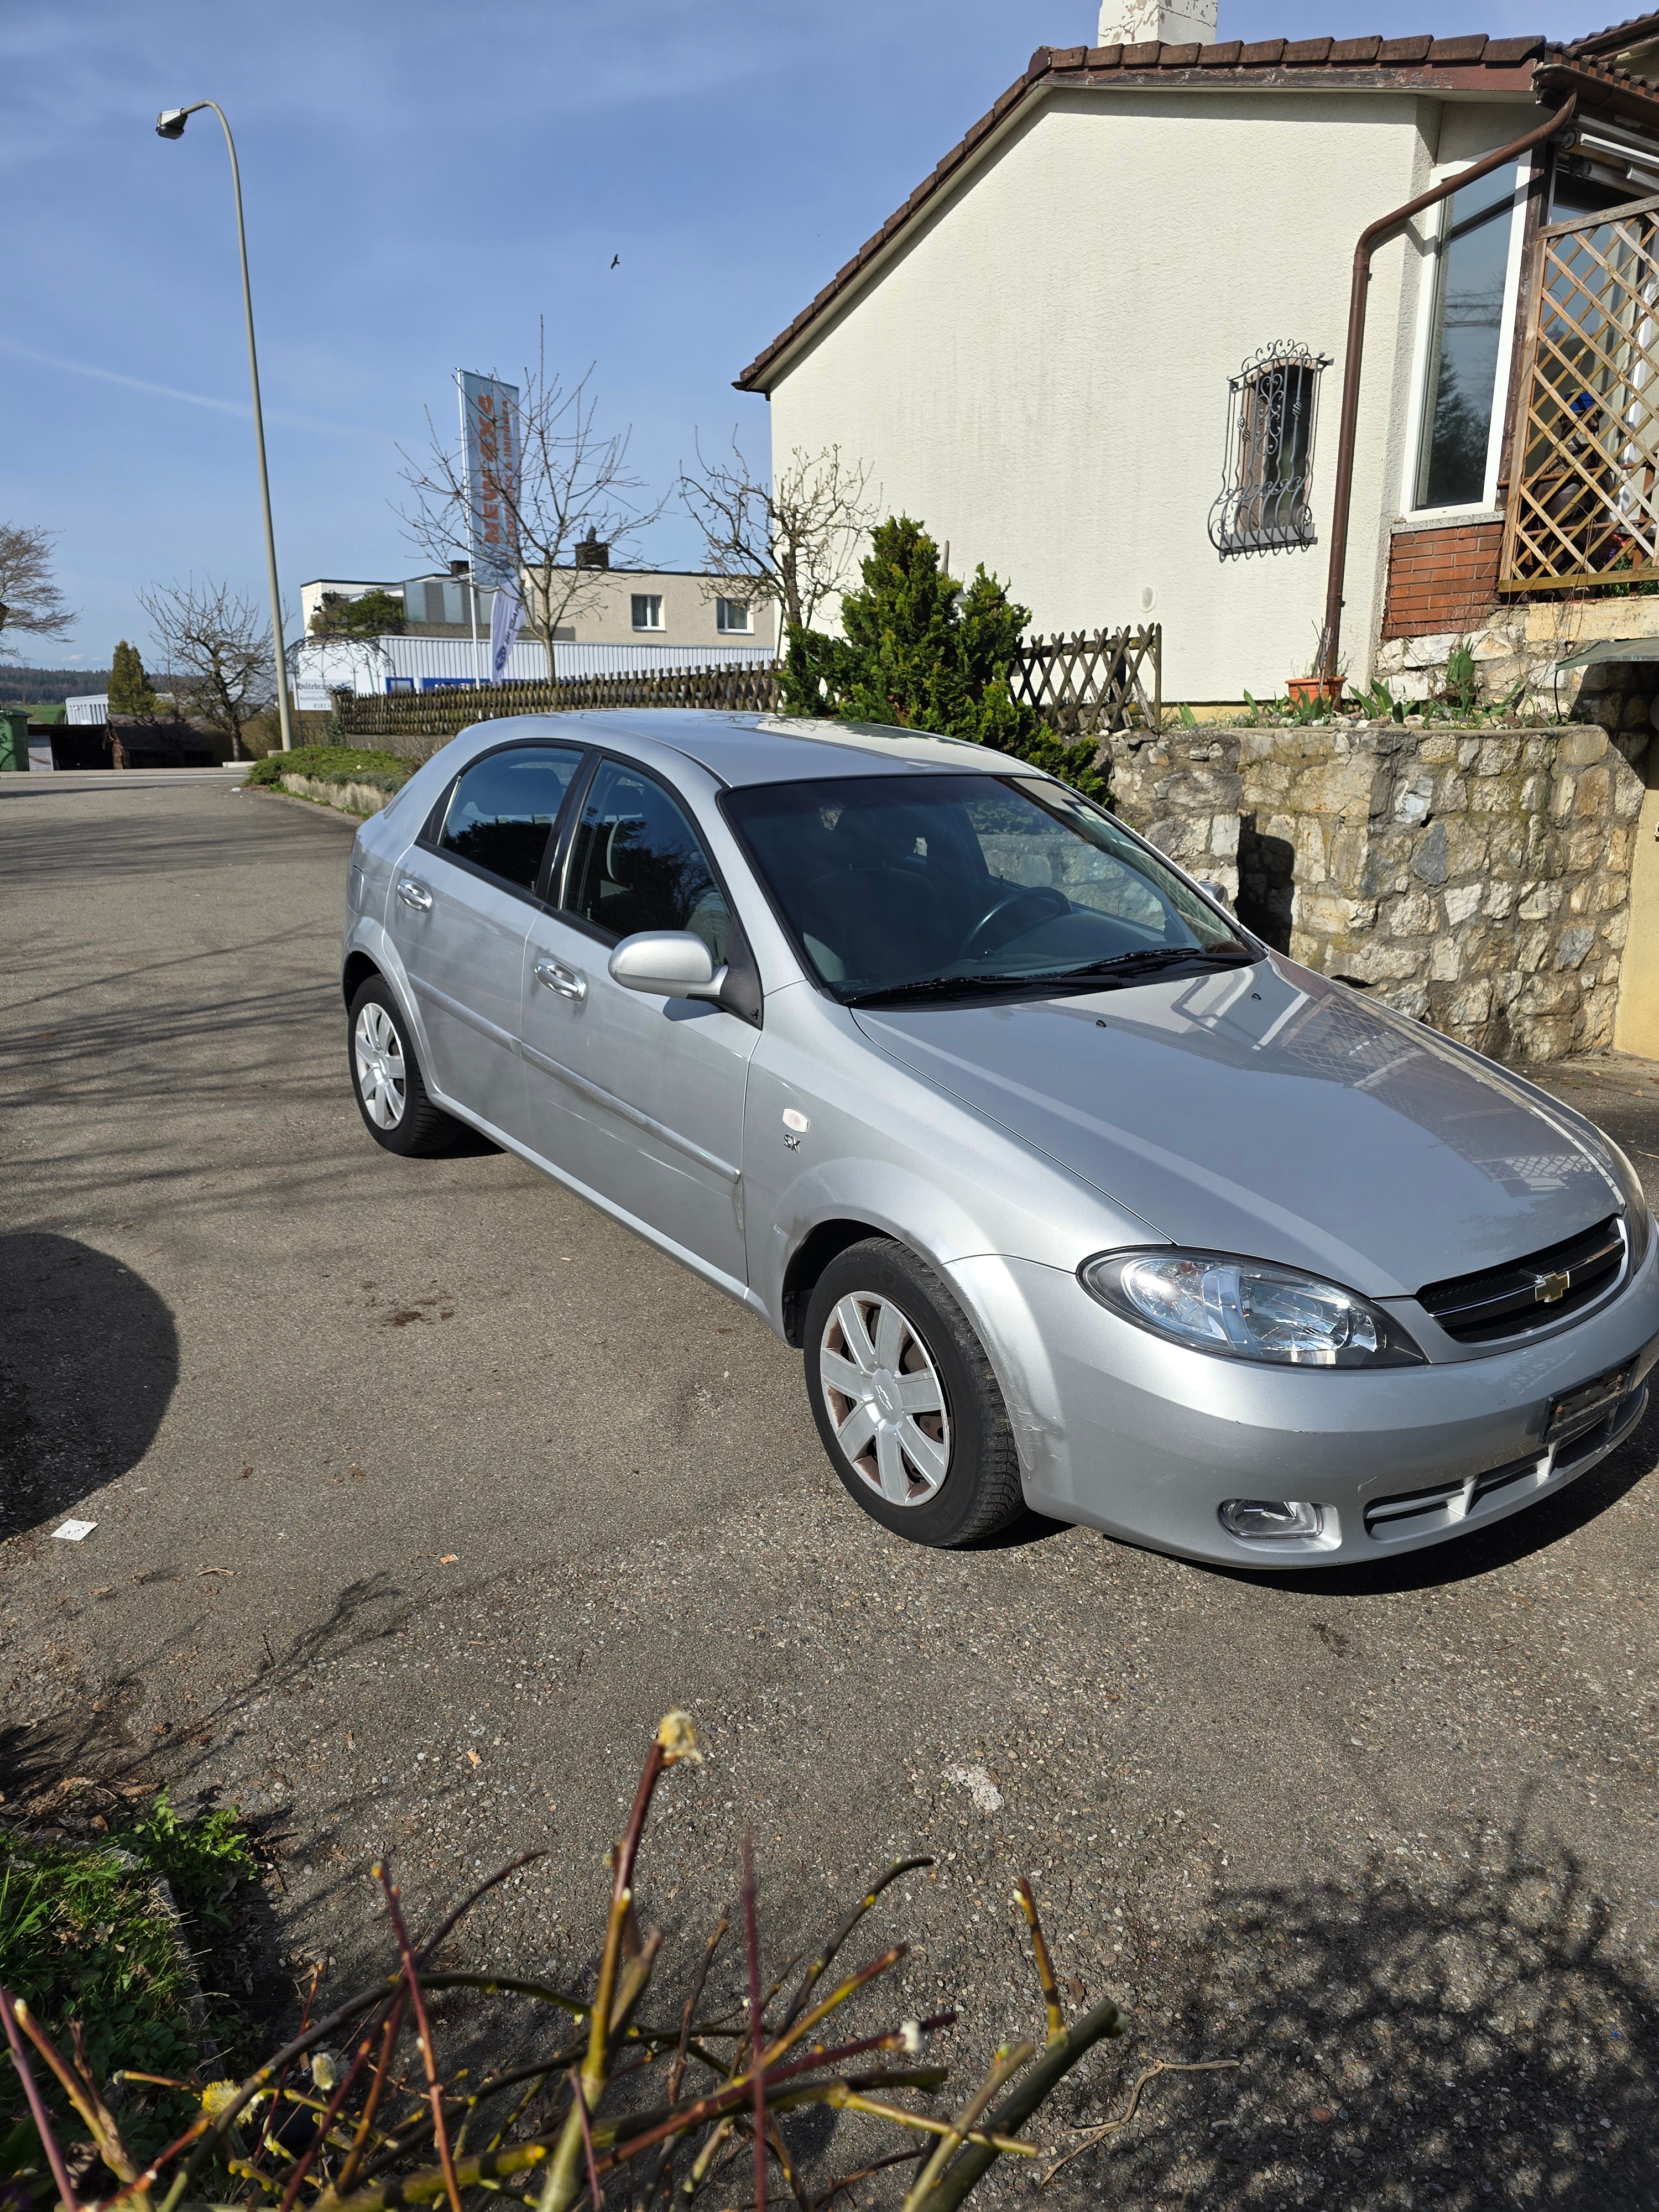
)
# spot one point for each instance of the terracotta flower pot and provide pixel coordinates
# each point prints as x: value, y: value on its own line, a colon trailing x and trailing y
x: 1312, y: 690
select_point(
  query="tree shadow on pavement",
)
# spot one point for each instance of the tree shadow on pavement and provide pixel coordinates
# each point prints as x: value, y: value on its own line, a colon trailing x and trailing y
x: 88, y: 1361
x: 1404, y: 2041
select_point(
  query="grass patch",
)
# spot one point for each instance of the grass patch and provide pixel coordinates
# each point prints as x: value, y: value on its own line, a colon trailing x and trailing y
x: 334, y: 764
x: 84, y: 1938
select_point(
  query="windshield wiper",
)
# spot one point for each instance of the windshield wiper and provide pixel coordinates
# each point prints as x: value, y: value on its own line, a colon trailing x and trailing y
x: 953, y: 986
x: 1153, y: 956
x: 1123, y: 965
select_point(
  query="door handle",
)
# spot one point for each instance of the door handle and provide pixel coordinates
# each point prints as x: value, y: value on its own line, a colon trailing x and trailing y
x: 414, y: 895
x: 557, y: 977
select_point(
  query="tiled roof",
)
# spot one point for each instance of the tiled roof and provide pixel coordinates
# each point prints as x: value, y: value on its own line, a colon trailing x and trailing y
x: 1618, y: 38
x: 1526, y: 66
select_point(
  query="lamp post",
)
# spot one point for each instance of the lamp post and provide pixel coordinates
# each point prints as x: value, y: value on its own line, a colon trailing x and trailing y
x: 170, y: 124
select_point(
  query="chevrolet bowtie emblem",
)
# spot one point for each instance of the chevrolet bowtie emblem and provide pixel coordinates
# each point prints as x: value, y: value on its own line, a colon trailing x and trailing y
x: 1547, y: 1289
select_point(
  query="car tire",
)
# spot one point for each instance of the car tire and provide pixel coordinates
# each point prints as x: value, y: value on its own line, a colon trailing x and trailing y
x: 386, y: 1077
x: 906, y: 1403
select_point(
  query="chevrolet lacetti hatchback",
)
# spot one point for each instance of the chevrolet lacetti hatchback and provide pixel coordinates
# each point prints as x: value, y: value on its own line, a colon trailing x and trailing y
x: 1073, y: 1192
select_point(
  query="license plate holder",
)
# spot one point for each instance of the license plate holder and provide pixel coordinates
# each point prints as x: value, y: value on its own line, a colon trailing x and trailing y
x: 1576, y: 1410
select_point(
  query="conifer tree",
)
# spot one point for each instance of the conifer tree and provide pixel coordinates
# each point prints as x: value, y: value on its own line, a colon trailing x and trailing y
x: 129, y: 686
x: 921, y: 652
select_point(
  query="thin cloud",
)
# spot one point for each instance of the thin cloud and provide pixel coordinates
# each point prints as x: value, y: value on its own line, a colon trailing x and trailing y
x: 172, y: 391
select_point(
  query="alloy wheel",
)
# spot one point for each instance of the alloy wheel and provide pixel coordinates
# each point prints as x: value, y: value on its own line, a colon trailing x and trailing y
x: 382, y: 1078
x: 885, y: 1398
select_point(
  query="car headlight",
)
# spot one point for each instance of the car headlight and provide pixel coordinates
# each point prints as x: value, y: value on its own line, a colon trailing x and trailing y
x: 1246, y: 1309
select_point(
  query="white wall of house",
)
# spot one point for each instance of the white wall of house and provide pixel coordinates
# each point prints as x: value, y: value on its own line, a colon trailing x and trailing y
x: 1039, y: 371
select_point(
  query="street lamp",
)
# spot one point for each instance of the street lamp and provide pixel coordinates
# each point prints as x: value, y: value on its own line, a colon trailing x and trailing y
x: 170, y: 124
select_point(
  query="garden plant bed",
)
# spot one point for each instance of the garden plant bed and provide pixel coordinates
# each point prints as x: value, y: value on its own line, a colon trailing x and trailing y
x: 356, y: 779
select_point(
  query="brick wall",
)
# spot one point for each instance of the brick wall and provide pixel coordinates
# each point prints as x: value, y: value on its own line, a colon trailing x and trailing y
x: 1442, y: 581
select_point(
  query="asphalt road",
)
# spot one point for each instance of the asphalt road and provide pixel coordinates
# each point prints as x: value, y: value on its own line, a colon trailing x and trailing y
x: 422, y: 1490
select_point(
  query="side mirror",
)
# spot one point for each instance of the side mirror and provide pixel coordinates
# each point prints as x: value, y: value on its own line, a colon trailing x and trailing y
x: 669, y: 963
x: 1216, y: 892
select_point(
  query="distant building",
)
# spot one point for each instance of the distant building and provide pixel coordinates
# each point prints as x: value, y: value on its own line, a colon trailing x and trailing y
x: 650, y: 607
x: 628, y: 619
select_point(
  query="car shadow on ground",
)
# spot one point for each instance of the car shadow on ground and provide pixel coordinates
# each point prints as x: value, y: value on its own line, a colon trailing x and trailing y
x: 88, y: 1361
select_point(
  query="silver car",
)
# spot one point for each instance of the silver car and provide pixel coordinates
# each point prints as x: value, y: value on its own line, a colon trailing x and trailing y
x: 1073, y: 1195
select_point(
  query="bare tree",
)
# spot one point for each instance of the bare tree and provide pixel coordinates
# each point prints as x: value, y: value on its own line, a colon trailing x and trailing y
x: 787, y: 544
x: 30, y: 600
x: 572, y: 485
x: 217, y: 649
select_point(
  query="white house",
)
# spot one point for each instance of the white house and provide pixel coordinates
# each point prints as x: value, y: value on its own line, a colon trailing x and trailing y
x: 1102, y: 346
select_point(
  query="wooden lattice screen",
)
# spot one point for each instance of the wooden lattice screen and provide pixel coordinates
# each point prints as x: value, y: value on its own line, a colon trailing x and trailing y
x: 1583, y: 497
x: 1092, y: 682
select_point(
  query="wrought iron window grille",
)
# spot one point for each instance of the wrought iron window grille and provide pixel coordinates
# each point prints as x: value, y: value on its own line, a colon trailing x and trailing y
x: 1272, y: 405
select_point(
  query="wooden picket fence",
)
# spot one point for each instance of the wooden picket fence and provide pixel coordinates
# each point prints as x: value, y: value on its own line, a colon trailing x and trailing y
x: 1084, y: 685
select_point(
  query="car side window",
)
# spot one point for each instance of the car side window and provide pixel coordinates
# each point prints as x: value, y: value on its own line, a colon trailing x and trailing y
x: 502, y: 810
x: 636, y: 863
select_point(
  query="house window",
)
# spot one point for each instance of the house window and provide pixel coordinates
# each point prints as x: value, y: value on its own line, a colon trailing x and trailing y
x: 1272, y: 404
x: 732, y: 614
x: 1465, y: 338
x: 647, y: 611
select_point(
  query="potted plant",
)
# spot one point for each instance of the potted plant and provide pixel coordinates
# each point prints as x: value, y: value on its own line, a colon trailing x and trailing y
x: 1318, y: 687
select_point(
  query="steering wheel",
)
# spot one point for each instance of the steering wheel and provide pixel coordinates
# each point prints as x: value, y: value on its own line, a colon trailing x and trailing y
x: 1043, y: 899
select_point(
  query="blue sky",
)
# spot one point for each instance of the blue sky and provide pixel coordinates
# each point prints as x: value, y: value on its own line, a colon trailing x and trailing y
x: 423, y: 181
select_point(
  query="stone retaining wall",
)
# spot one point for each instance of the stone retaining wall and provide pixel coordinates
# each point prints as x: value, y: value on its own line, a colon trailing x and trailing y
x: 1517, y: 652
x: 1480, y: 881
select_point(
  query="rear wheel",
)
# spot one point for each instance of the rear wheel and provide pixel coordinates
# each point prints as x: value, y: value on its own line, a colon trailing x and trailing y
x: 386, y: 1077
x: 906, y: 1403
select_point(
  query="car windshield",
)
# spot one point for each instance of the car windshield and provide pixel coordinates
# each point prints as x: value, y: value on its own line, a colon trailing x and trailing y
x: 913, y: 886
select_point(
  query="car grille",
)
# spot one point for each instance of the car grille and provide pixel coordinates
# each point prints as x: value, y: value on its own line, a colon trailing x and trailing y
x: 1415, y: 1512
x: 1505, y: 1301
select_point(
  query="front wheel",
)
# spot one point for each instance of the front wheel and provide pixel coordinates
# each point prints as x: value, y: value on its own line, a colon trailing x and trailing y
x: 386, y: 1077
x: 906, y: 1403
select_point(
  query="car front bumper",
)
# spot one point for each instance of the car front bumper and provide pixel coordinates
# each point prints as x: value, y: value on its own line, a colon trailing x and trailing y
x: 1121, y: 1431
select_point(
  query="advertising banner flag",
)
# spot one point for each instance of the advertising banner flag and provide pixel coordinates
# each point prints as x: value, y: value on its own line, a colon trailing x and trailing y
x: 490, y: 435
x: 505, y: 617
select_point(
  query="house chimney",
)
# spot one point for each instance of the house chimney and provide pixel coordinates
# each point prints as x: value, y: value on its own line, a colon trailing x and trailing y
x: 1177, y: 22
x: 592, y: 552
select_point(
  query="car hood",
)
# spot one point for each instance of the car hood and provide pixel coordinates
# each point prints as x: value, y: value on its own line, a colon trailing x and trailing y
x: 1267, y: 1111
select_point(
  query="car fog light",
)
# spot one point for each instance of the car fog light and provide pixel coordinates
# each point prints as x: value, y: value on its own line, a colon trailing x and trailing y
x: 1255, y: 1518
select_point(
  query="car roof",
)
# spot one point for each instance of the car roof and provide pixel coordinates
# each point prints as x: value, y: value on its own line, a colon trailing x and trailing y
x: 743, y: 749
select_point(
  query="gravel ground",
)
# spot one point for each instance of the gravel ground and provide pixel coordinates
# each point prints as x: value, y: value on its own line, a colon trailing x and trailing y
x: 422, y: 1490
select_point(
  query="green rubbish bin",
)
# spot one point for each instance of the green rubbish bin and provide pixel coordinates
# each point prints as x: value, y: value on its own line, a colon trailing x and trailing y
x: 13, y: 739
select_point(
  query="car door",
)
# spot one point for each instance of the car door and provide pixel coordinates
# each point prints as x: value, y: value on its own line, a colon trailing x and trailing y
x: 638, y: 1098
x: 462, y: 898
